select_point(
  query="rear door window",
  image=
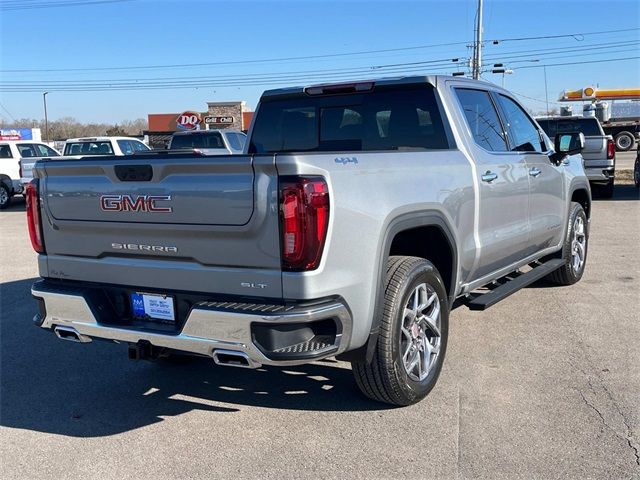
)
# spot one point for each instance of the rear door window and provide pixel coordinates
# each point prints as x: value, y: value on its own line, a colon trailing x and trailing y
x: 27, y: 150
x: 392, y: 118
x: 482, y: 119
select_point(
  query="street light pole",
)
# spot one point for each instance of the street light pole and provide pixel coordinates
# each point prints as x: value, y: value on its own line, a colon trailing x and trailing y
x: 477, y: 50
x: 46, y: 120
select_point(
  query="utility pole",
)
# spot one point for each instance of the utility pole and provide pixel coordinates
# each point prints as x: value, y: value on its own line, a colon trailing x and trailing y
x: 477, y: 46
x: 546, y: 93
x: 46, y: 120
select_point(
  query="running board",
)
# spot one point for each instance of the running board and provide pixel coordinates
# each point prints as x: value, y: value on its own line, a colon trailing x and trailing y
x: 509, y: 287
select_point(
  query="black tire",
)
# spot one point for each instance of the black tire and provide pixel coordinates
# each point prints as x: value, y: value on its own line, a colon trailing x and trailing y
x: 385, y: 378
x: 568, y: 274
x: 5, y: 196
x: 636, y: 172
x: 606, y: 191
x: 624, y: 141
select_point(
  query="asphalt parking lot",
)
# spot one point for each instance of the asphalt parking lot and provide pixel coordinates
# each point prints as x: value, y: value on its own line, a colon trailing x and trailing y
x: 543, y: 385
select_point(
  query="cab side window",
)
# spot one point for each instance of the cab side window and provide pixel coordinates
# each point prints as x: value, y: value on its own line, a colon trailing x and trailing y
x: 126, y: 147
x: 482, y: 119
x: 5, y: 151
x: 524, y: 135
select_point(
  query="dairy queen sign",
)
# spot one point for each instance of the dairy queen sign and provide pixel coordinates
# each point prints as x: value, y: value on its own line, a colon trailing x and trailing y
x: 188, y: 121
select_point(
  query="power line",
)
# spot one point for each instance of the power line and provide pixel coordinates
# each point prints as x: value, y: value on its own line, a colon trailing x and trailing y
x: 306, y: 57
x: 15, y: 6
x: 8, y: 112
x: 580, y: 63
x: 304, y: 74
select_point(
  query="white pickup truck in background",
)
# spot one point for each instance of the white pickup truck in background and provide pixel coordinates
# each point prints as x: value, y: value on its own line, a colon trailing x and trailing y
x: 599, y: 151
x: 210, y: 142
x: 15, y: 157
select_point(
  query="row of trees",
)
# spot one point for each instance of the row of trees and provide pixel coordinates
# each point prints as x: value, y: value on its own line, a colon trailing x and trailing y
x: 69, y: 127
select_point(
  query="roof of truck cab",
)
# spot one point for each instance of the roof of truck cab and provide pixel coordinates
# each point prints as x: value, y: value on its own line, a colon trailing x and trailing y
x: 205, y: 132
x: 99, y: 139
x: 407, y: 80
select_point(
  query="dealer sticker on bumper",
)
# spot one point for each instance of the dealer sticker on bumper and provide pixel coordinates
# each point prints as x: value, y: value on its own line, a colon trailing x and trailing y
x: 154, y: 306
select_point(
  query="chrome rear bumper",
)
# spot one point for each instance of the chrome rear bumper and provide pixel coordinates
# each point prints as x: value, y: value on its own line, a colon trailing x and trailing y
x: 209, y: 326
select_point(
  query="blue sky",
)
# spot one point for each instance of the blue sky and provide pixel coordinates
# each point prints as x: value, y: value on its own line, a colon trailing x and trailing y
x: 147, y: 33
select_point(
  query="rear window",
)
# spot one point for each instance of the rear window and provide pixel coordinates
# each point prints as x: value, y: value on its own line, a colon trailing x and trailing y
x: 88, y: 148
x: 588, y: 126
x: 391, y: 119
x: 197, y: 140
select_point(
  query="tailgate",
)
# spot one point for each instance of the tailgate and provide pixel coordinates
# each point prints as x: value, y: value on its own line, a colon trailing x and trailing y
x: 595, y: 148
x: 193, y: 223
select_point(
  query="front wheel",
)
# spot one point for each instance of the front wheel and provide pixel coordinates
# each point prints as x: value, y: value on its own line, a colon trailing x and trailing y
x: 413, y: 333
x: 574, y: 250
x: 5, y: 196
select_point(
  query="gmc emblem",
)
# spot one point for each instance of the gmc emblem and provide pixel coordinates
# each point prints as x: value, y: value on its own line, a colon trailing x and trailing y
x: 126, y: 203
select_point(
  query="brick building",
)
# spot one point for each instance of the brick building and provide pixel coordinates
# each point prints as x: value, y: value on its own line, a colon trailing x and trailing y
x: 218, y: 115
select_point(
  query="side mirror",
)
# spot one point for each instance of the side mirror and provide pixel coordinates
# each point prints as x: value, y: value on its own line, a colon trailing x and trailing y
x: 567, y: 144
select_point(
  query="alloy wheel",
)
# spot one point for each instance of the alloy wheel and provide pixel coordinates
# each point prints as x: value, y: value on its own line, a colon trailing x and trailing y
x: 420, y: 340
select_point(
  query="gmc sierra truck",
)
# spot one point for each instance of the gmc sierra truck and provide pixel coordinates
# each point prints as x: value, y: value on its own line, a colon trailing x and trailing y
x: 359, y: 215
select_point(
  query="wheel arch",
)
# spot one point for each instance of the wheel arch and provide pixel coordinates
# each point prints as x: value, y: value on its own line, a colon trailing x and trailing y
x: 6, y: 180
x: 400, y: 239
x: 582, y: 195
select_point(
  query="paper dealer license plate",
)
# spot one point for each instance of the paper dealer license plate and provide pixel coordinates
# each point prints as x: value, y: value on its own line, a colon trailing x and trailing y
x: 157, y: 307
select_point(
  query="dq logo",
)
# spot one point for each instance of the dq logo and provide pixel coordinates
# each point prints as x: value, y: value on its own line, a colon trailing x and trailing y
x: 188, y: 121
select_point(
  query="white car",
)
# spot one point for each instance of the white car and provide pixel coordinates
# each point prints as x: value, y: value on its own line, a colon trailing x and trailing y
x: 16, y: 160
x: 210, y: 142
x: 118, y: 146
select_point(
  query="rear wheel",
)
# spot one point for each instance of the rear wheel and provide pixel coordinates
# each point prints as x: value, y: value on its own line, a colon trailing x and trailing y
x: 412, y: 341
x: 574, y: 251
x: 624, y: 141
x: 5, y: 196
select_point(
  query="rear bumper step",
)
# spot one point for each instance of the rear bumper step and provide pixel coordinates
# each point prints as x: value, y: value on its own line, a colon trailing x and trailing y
x: 512, y: 285
x: 248, y: 335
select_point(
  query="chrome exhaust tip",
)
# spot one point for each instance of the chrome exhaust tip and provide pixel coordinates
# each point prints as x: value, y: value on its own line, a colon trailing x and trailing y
x: 70, y: 334
x: 232, y: 358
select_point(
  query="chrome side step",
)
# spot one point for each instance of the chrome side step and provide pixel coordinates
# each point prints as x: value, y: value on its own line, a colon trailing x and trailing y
x: 509, y: 287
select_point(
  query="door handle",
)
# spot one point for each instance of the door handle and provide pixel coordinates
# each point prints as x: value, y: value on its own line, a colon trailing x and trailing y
x: 534, y: 172
x: 489, y: 176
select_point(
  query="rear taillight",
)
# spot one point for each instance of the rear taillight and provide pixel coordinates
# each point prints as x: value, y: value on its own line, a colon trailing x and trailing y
x: 33, y: 216
x: 304, y: 214
x: 611, y: 149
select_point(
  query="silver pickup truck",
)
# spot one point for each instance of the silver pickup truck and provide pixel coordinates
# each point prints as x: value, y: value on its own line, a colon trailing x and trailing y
x: 358, y: 217
x: 599, y: 150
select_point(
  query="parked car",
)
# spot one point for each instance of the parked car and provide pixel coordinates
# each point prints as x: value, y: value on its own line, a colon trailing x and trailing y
x: 599, y: 150
x: 103, y: 146
x: 16, y: 159
x: 209, y: 142
x: 359, y: 216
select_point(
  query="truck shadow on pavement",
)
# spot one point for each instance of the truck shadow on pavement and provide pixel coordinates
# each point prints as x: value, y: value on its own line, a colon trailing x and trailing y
x: 93, y: 390
x: 621, y: 192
